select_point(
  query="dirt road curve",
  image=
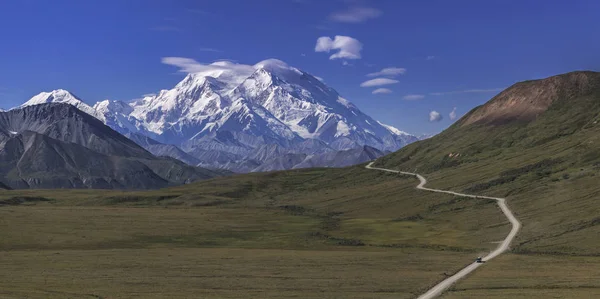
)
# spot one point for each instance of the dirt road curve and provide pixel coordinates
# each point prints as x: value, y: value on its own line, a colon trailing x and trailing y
x: 502, y: 247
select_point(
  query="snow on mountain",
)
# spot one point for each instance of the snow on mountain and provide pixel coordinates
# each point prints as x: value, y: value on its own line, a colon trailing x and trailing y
x: 393, y: 130
x: 309, y: 107
x: 116, y: 114
x: 61, y: 96
x: 108, y: 106
x: 237, y: 109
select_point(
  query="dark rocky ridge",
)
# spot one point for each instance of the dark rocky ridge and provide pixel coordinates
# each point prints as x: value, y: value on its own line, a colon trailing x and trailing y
x: 58, y: 146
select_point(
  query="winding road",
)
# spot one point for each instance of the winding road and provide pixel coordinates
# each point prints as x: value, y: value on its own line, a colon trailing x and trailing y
x: 502, y: 247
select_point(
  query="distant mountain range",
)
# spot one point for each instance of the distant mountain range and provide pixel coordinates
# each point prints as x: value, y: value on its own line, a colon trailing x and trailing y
x: 250, y: 119
x: 56, y: 145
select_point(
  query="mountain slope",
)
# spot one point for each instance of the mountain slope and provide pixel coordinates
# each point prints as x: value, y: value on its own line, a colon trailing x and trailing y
x: 281, y: 162
x: 66, y: 123
x: 2, y: 186
x: 58, y: 146
x: 525, y: 101
x: 169, y: 150
x: 342, y: 158
x: 160, y: 149
x: 273, y: 158
x: 33, y: 160
x: 536, y: 144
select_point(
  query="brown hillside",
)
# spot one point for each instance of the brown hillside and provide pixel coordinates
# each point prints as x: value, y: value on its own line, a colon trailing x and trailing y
x: 524, y: 101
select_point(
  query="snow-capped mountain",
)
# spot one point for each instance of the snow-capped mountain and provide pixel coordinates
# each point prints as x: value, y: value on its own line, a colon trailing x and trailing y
x: 61, y: 96
x: 276, y: 101
x: 237, y: 110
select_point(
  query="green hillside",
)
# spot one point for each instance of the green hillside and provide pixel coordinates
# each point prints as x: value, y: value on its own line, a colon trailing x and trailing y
x: 546, y: 166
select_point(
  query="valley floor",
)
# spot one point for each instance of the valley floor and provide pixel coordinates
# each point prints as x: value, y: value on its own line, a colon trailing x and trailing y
x: 222, y: 273
x: 337, y: 233
x: 273, y: 273
x: 350, y: 233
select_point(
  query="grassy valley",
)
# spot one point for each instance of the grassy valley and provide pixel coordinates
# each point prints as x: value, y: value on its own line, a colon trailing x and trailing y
x: 317, y: 233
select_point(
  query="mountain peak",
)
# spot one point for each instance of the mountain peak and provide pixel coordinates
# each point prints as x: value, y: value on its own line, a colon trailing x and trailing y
x: 62, y: 96
x: 55, y: 96
x: 276, y: 66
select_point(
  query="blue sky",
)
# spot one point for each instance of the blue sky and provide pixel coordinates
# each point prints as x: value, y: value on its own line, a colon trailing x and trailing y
x: 454, y: 53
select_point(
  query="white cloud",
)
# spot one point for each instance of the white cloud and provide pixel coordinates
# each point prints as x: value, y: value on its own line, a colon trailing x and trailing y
x: 226, y: 60
x: 225, y: 70
x: 467, y: 91
x: 389, y: 71
x: 355, y: 14
x: 430, y: 57
x: 435, y: 116
x: 382, y: 91
x: 188, y: 65
x: 303, y: 55
x: 414, y: 97
x: 378, y: 82
x: 149, y: 95
x: 453, y: 114
x: 347, y: 47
